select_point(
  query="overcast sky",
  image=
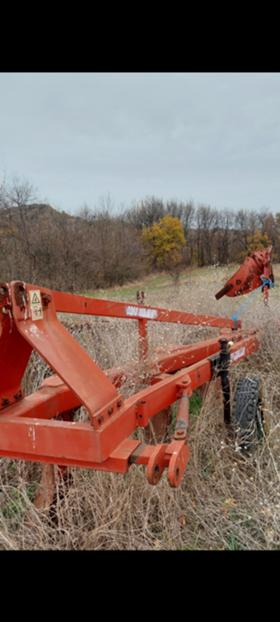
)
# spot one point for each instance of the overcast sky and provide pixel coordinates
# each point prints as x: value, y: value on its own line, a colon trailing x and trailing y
x: 213, y: 138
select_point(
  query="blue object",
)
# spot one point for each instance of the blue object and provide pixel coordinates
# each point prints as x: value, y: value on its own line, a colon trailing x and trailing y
x: 245, y: 304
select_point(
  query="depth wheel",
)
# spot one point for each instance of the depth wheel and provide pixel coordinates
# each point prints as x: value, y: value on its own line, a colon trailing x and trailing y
x: 247, y: 416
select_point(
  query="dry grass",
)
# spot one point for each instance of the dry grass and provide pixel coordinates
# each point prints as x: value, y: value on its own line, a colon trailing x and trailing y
x: 226, y: 501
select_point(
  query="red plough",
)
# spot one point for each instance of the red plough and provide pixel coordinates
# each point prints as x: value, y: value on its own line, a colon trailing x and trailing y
x: 42, y: 427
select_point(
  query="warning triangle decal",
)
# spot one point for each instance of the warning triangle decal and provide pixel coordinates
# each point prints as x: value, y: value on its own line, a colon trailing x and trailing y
x: 35, y: 300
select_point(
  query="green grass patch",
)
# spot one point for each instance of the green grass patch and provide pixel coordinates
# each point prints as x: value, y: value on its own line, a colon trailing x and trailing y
x: 195, y: 404
x: 14, y: 507
x: 148, y: 284
x: 233, y: 543
x: 31, y: 490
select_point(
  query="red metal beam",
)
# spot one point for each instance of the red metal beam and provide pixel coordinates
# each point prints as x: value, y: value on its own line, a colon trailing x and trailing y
x: 77, y: 441
x: 71, y: 303
x: 15, y: 352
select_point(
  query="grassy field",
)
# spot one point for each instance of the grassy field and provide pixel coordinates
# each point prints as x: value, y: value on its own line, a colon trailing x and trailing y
x: 152, y: 284
x: 226, y: 501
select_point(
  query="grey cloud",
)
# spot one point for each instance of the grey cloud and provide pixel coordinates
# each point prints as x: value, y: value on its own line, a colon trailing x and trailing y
x: 214, y: 138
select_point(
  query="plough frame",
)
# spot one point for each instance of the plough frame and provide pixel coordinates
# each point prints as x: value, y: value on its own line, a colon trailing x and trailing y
x: 41, y: 427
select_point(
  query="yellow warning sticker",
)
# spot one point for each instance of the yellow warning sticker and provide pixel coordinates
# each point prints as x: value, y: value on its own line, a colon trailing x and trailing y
x: 36, y: 304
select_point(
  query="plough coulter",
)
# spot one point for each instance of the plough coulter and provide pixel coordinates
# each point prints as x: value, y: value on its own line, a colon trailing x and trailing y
x: 43, y: 427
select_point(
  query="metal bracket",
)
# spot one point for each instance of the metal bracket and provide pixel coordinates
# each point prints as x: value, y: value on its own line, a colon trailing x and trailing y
x: 220, y: 369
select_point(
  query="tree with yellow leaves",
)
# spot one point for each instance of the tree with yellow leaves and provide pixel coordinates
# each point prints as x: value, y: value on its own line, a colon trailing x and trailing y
x: 164, y: 242
x: 258, y: 241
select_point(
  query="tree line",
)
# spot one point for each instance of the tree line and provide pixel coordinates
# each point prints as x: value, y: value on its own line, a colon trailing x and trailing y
x: 99, y: 248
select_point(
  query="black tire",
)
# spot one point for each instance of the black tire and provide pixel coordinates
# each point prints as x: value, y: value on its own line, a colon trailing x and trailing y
x: 247, y: 413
